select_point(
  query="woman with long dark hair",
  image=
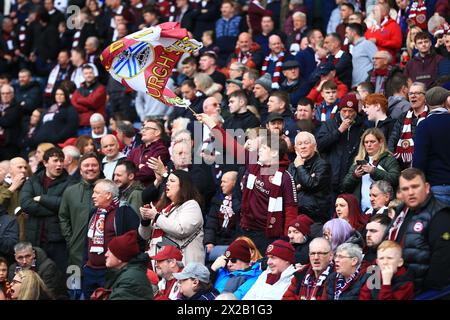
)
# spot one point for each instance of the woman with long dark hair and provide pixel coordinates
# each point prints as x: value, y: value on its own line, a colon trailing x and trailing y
x: 176, y: 219
x: 59, y: 122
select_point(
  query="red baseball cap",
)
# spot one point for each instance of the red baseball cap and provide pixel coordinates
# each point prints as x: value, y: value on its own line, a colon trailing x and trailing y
x: 168, y: 252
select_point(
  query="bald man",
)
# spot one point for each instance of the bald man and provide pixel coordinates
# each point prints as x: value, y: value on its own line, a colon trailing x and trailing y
x: 211, y: 106
x: 218, y: 237
x: 15, y: 177
x: 247, y: 52
x: 110, y: 148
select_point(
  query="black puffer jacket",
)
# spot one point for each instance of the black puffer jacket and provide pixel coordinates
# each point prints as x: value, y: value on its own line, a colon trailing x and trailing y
x: 64, y: 125
x: 43, y: 215
x: 386, y: 126
x: 339, y: 149
x: 29, y: 97
x: 241, y: 121
x: 425, y: 247
x: 313, y: 182
x: 10, y: 123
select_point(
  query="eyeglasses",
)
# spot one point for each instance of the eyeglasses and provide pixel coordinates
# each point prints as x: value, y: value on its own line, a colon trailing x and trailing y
x: 339, y: 257
x: 312, y: 254
x: 415, y: 93
x: 232, y: 260
x: 14, y: 281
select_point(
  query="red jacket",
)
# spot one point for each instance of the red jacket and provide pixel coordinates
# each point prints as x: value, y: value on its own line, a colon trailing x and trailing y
x: 252, y: 216
x: 317, y: 98
x: 142, y: 153
x: 89, y: 100
x: 389, y: 37
x: 396, y: 291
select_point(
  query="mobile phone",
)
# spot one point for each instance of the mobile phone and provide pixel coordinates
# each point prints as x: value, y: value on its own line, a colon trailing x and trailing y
x: 361, y: 162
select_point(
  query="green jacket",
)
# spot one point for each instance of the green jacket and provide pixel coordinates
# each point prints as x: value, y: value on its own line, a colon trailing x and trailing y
x: 10, y: 201
x: 391, y: 172
x: 131, y: 282
x: 74, y: 211
x: 43, y: 215
x: 133, y: 196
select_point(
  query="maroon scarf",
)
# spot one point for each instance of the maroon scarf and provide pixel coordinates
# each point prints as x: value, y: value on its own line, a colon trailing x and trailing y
x: 405, y: 145
x: 312, y: 288
x: 380, y: 73
x: 275, y: 223
x: 96, y: 230
x: 418, y: 14
x: 277, y: 72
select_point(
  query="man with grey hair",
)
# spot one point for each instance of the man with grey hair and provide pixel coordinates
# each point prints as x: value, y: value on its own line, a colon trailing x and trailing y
x: 312, y: 176
x: 71, y: 159
x: 107, y: 220
x: 382, y: 70
x: 404, y: 132
x: 347, y: 280
x: 432, y: 144
x: 34, y: 258
x: 381, y: 193
x: 309, y: 282
x: 127, y: 134
x: 237, y: 70
x: 98, y: 127
x: 10, y: 115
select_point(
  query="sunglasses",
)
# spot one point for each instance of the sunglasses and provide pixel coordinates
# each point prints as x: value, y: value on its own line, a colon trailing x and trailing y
x: 232, y: 260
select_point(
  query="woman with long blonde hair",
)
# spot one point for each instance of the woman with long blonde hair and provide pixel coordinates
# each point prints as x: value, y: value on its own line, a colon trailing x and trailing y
x: 372, y: 163
x: 28, y: 285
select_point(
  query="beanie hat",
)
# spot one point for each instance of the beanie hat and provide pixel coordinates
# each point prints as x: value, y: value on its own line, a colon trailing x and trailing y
x: 349, y: 101
x: 238, y: 249
x: 265, y: 81
x: 281, y: 249
x: 436, y: 96
x: 125, y: 247
x: 303, y: 224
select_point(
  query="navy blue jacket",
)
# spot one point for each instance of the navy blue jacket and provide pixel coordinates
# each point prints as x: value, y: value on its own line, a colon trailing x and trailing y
x: 432, y: 148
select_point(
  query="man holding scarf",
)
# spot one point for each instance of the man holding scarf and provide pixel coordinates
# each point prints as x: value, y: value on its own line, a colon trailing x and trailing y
x: 107, y: 220
x: 274, y: 61
x: 269, y: 199
x: 401, y: 141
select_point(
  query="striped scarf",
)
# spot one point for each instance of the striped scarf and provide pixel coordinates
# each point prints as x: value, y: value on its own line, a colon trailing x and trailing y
x: 277, y: 72
x: 96, y: 230
x: 275, y: 223
x: 417, y: 14
x: 323, y: 113
x: 311, y: 288
x: 342, y: 284
x: 405, y: 145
